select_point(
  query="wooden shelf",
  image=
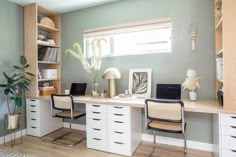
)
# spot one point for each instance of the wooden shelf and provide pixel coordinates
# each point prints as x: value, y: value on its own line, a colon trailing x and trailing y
x: 219, y: 24
x: 55, y: 46
x: 47, y: 29
x: 43, y: 62
x: 46, y: 12
x: 42, y: 80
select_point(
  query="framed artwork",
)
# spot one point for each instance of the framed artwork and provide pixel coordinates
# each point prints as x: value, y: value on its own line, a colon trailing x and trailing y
x: 140, y: 82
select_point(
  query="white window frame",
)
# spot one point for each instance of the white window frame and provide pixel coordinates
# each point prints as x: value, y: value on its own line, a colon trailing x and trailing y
x: 129, y: 28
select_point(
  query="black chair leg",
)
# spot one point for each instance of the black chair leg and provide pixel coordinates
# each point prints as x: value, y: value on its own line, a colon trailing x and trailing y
x: 154, y: 143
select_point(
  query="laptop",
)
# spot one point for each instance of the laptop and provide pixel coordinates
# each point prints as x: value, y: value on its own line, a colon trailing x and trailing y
x: 168, y: 91
x: 78, y: 89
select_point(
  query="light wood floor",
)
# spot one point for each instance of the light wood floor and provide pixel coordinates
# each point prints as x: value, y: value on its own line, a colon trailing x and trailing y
x: 36, y: 147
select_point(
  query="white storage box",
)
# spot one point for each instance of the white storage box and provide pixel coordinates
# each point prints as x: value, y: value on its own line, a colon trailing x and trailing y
x: 219, y: 68
x: 49, y: 73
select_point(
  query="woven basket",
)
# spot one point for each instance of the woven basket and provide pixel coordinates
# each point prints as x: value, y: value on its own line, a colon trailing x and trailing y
x: 47, y: 22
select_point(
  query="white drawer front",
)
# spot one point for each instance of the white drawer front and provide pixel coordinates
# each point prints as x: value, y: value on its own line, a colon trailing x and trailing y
x: 118, y: 125
x: 34, y: 131
x: 96, y: 114
x: 96, y: 133
x: 229, y: 142
x: 96, y: 123
x: 229, y: 130
x: 96, y: 108
x: 33, y: 122
x: 119, y: 148
x: 119, y: 117
x: 119, y: 136
x: 228, y: 120
x: 32, y: 113
x: 32, y: 102
x: 32, y: 107
x: 228, y: 153
x: 118, y: 109
x: 97, y: 143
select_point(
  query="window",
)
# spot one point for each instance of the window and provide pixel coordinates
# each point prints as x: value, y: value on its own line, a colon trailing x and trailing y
x: 153, y: 36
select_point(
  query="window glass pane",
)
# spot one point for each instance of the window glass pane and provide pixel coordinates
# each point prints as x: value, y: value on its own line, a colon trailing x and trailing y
x: 105, y: 46
x: 143, y: 42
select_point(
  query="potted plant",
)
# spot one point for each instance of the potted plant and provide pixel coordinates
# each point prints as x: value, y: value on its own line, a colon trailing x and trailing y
x: 191, y: 83
x: 15, y: 88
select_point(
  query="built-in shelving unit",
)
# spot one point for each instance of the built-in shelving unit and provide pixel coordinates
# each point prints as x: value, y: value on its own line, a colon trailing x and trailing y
x: 32, y: 28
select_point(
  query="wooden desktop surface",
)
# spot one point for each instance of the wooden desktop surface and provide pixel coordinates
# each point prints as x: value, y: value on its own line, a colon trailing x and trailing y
x: 199, y: 106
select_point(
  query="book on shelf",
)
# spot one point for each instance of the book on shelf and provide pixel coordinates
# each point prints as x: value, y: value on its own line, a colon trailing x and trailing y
x: 48, y: 54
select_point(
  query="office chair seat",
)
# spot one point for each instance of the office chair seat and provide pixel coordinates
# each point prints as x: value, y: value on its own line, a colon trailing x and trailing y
x: 67, y: 114
x: 165, y: 126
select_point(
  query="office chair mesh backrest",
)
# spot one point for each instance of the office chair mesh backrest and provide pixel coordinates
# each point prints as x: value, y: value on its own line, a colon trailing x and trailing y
x: 164, y: 110
x: 62, y: 102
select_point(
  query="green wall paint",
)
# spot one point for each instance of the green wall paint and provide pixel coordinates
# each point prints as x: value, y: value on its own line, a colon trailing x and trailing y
x: 167, y: 68
x: 11, y: 47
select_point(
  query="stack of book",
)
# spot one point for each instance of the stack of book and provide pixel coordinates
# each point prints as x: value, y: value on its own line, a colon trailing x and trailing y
x: 48, y: 54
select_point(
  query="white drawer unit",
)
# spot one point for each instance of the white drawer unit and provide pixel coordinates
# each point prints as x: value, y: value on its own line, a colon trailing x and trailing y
x: 227, y: 135
x: 109, y: 128
x: 39, y: 120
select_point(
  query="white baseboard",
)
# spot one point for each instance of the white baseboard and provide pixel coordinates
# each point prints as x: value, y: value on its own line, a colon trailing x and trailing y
x: 75, y: 126
x: 8, y: 137
x: 160, y: 139
x: 179, y: 142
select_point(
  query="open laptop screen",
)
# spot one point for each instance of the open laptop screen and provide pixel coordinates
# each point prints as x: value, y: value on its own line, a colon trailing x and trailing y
x: 168, y: 91
x: 78, y: 89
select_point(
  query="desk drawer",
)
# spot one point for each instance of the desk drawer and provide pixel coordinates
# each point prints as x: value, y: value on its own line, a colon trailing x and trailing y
x: 34, y: 131
x: 95, y: 108
x: 117, y: 147
x: 33, y: 114
x: 229, y: 142
x: 97, y: 143
x: 32, y: 107
x: 33, y: 122
x: 229, y: 130
x: 96, y: 133
x: 119, y: 136
x: 118, y: 110
x: 119, y: 125
x: 228, y: 153
x: 96, y: 114
x: 32, y: 102
x: 96, y: 123
x: 229, y: 120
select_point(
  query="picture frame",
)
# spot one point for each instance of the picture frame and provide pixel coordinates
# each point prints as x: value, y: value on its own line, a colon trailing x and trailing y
x: 140, y: 82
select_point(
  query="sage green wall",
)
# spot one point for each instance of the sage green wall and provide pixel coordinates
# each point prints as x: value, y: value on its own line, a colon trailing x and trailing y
x: 11, y: 47
x: 166, y: 68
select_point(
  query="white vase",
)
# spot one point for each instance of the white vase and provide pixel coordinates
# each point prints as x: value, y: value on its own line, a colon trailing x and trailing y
x: 193, y: 95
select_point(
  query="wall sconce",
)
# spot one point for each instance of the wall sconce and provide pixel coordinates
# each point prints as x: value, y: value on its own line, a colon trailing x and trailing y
x: 193, y: 34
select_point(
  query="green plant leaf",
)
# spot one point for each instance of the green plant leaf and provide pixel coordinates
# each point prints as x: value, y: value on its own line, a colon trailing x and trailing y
x: 23, y: 60
x: 21, y: 85
x: 3, y: 85
x: 27, y: 83
x: 6, y: 91
x: 28, y: 73
x: 6, y: 76
x: 26, y: 89
x: 18, y: 101
x: 17, y: 67
x: 27, y: 65
x: 27, y: 79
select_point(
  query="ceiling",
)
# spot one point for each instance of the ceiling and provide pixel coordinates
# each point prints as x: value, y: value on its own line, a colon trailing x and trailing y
x: 63, y: 6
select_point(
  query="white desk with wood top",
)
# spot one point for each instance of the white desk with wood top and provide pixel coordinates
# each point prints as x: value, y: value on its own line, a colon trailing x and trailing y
x: 112, y: 124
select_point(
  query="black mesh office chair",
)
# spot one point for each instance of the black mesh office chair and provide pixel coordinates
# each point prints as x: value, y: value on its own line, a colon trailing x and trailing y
x: 64, y: 105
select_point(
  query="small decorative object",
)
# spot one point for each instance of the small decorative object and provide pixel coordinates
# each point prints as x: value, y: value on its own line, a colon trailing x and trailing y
x: 111, y: 74
x: 15, y: 88
x: 67, y: 91
x: 191, y: 83
x: 47, y: 22
x: 193, y: 35
x: 96, y: 60
x: 51, y: 42
x: 140, y: 82
x: 41, y: 37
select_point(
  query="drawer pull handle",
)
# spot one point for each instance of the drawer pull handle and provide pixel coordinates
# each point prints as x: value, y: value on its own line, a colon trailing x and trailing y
x: 96, y: 129
x: 233, y: 150
x: 33, y: 127
x: 234, y: 127
x: 97, y: 139
x: 32, y: 106
x: 118, y: 122
x: 118, y: 132
x: 32, y: 100
x: 118, y: 107
x: 96, y: 119
x: 118, y: 114
x: 96, y: 112
x: 118, y: 143
x: 33, y: 111
x: 33, y: 119
x: 233, y: 117
x: 96, y: 105
x: 233, y: 136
